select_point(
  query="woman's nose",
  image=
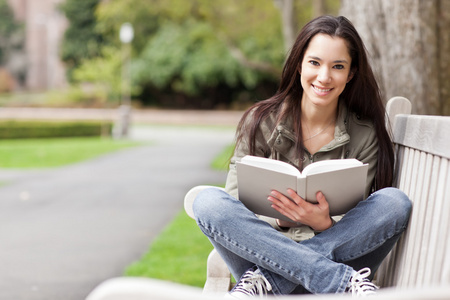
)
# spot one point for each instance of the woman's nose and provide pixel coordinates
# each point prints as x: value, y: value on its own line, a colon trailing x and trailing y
x: 324, y: 75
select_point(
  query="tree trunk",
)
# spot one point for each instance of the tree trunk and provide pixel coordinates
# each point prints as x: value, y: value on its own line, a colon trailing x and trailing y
x: 288, y: 20
x: 444, y: 55
x: 408, y: 43
x: 318, y: 8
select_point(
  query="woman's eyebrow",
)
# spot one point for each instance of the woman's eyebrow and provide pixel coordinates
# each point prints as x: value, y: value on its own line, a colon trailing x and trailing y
x: 314, y: 57
x: 341, y: 61
x: 338, y: 61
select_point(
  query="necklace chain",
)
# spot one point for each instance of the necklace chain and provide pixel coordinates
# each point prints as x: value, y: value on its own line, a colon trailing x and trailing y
x: 319, y: 132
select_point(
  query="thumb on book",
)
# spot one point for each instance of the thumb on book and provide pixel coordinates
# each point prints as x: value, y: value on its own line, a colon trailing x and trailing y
x: 320, y: 198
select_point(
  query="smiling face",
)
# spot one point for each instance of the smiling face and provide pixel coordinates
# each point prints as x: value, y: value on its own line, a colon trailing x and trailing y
x: 325, y: 70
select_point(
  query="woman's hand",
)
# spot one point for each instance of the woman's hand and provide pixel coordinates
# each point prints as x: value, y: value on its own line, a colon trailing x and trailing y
x: 316, y: 216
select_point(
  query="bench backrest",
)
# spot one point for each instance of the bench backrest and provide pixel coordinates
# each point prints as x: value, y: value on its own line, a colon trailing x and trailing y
x: 422, y: 256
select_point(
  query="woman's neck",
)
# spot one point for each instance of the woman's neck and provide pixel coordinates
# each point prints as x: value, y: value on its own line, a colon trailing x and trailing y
x: 318, y: 125
x: 317, y: 117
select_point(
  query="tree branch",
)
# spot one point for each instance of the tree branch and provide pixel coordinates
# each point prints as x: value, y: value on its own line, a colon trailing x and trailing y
x: 254, y: 65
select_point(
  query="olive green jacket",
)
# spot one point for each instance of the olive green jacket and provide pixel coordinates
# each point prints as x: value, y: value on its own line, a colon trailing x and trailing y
x: 353, y: 138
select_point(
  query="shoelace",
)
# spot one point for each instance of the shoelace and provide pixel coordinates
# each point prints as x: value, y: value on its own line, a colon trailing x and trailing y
x: 360, y: 284
x: 253, y: 283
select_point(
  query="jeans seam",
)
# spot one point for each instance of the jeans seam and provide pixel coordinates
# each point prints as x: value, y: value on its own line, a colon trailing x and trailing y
x: 210, y: 232
x: 374, y: 245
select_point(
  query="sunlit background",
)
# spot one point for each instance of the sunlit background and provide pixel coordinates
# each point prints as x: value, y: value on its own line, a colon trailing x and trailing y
x: 223, y: 54
x: 102, y: 133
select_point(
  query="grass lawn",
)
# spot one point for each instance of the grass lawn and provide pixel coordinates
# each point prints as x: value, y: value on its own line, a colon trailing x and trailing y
x: 45, y: 153
x: 179, y: 253
x: 222, y: 160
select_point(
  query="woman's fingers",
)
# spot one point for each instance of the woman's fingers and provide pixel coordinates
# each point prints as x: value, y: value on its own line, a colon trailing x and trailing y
x: 298, y: 210
x: 286, y: 206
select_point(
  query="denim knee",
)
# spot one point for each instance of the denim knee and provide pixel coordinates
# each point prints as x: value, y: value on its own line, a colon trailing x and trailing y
x: 207, y: 204
x: 395, y: 202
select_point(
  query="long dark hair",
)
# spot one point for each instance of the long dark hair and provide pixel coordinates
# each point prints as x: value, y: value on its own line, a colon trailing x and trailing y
x: 361, y: 94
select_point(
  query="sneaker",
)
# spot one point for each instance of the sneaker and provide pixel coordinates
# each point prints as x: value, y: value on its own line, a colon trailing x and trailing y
x: 360, y: 285
x: 252, y: 283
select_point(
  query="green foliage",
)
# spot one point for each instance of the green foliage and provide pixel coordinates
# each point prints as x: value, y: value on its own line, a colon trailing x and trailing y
x: 39, y: 129
x: 46, y: 153
x: 7, y: 24
x: 178, y: 254
x: 80, y: 95
x: 8, y: 28
x: 187, y: 58
x: 145, y: 17
x: 104, y: 72
x: 185, y: 51
x: 183, y: 46
x: 81, y: 40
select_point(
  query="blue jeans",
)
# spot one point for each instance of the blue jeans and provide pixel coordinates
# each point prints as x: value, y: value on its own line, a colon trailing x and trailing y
x: 322, y: 264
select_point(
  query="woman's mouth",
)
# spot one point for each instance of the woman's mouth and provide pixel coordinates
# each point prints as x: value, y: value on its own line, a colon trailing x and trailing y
x: 321, y: 90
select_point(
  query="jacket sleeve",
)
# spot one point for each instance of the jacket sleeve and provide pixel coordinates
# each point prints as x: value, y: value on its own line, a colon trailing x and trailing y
x: 242, y: 149
x: 231, y: 183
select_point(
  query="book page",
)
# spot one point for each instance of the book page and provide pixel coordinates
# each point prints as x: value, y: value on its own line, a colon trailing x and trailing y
x: 255, y: 185
x: 330, y: 165
x: 270, y: 164
x: 342, y: 188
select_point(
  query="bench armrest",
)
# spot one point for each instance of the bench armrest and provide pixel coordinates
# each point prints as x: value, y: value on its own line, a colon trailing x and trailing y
x: 190, y: 197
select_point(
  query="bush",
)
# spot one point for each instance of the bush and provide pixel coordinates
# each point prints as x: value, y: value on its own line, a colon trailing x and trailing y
x: 46, y: 129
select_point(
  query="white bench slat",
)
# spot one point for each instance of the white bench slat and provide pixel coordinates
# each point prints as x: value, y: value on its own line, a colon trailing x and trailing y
x: 434, y: 233
x: 423, y: 211
x: 422, y: 249
x: 418, y: 176
x: 219, y: 277
x: 425, y: 133
x: 433, y: 163
x: 402, y: 269
x: 398, y: 266
x: 395, y: 106
x: 446, y: 264
x: 426, y: 258
x: 441, y: 223
x: 406, y: 166
x: 445, y: 250
x: 386, y: 272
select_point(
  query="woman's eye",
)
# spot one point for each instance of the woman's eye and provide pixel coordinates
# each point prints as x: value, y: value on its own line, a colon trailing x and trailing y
x: 314, y: 63
x: 339, y: 67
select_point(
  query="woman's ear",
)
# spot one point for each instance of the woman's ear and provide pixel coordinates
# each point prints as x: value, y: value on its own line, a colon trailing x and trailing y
x: 350, y: 75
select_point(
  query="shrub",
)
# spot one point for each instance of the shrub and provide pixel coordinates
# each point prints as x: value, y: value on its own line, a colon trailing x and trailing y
x: 45, y: 129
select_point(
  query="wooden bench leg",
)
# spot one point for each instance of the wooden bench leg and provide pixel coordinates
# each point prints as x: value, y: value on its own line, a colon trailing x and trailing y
x: 218, y: 276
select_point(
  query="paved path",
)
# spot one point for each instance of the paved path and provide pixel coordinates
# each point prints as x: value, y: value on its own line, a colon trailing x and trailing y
x: 65, y: 230
x: 153, y: 116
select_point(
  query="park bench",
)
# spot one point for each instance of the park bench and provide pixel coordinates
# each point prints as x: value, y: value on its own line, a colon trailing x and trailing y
x: 419, y: 265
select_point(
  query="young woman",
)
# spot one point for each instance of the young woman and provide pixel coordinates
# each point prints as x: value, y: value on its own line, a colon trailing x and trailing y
x: 328, y: 106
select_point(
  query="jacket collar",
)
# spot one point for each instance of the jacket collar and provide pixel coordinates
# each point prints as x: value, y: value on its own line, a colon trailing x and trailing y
x: 283, y: 138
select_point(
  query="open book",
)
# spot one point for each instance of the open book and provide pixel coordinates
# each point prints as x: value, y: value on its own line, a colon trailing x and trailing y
x: 342, y: 181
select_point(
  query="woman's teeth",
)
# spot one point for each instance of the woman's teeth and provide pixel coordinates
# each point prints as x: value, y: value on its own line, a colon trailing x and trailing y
x: 321, y: 90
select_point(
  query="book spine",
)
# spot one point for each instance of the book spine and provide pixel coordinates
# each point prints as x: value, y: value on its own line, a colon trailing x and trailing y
x: 301, y: 186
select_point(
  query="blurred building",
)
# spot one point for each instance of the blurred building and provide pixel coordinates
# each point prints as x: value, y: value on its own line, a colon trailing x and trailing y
x: 44, y: 30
